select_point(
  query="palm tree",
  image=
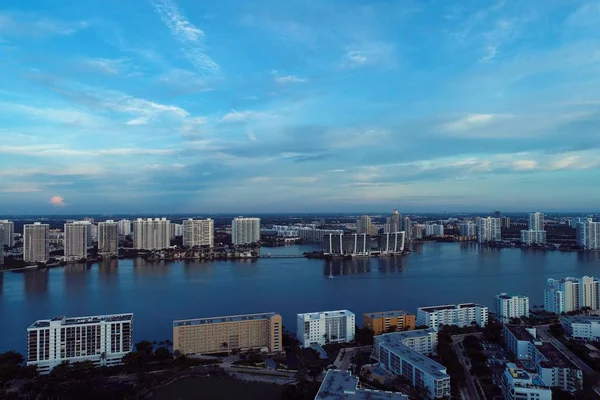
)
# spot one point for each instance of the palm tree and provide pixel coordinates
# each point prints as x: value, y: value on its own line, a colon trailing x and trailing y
x: 103, y: 358
x: 224, y: 345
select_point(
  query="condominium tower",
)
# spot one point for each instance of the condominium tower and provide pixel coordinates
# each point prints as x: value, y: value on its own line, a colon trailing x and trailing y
x: 102, y: 339
x: 124, y: 227
x: 151, y: 234
x: 108, y: 238
x: 76, y: 240
x: 223, y: 334
x: 324, y: 327
x: 8, y: 239
x: 245, y: 231
x: 395, y: 221
x: 364, y: 225
x: 35, y: 242
x: 198, y: 232
x: 465, y: 314
x: 382, y: 322
x: 511, y: 306
x: 536, y: 221
x: 588, y: 235
x: 571, y: 294
x: 467, y: 229
x: 489, y: 230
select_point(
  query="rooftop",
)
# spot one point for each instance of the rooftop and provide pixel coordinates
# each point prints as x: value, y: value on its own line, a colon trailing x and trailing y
x: 449, y: 307
x: 554, y: 357
x: 510, y: 296
x: 64, y: 321
x: 401, y: 336
x: 319, y: 314
x: 218, y: 320
x: 341, y: 385
x: 582, y: 319
x: 386, y: 314
x: 520, y: 332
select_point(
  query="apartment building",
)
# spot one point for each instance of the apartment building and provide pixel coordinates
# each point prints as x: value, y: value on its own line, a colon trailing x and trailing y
x: 386, y: 321
x: 339, y: 385
x: 108, y: 238
x: 8, y: 237
x: 571, y: 294
x: 325, y: 327
x: 584, y: 327
x: 151, y: 234
x: 77, y: 236
x: 511, y: 306
x: 245, y: 231
x: 521, y: 340
x: 199, y: 232
x: 102, y: 339
x: 405, y: 354
x: 223, y: 334
x: 36, y: 246
x: 462, y: 315
x: 489, y: 230
x: 518, y: 384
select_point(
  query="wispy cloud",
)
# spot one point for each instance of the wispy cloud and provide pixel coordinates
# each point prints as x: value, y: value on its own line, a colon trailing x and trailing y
x: 469, y: 121
x: 31, y: 25
x: 289, y: 79
x: 109, y: 66
x: 240, y: 116
x: 189, y: 36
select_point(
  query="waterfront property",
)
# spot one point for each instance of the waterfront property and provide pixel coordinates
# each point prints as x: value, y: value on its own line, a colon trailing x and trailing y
x: 342, y: 385
x: 518, y: 384
x: 151, y: 234
x: 223, y: 334
x: 582, y: 327
x: 461, y: 315
x: 36, y: 246
x: 108, y: 238
x: 245, y: 231
x: 198, y: 232
x: 102, y: 339
x: 362, y: 244
x: 571, y: 294
x: 521, y: 340
x: 324, y: 327
x: 405, y: 354
x: 511, y: 306
x: 382, y: 322
x: 77, y: 237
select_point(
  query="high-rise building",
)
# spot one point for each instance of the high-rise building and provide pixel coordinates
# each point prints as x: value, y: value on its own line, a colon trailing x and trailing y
x: 151, y: 234
x: 176, y: 230
x: 9, y: 232
x: 382, y: 322
x: 223, y: 334
x: 406, y: 227
x: 467, y: 229
x: 517, y: 384
x: 76, y: 240
x: 588, y: 235
x: 572, y: 294
x: 505, y: 222
x: 489, y: 230
x: 108, y: 238
x: 325, y: 327
x: 1, y: 245
x: 529, y: 237
x: 102, y: 339
x: 417, y: 231
x: 462, y: 315
x: 124, y: 227
x: 198, y: 232
x: 245, y: 231
x: 434, y: 230
x: 35, y: 242
x: 536, y: 221
x: 511, y: 306
x: 395, y: 222
x: 364, y: 225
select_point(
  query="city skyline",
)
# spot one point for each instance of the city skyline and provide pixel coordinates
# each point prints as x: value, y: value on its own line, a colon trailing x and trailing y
x: 178, y: 106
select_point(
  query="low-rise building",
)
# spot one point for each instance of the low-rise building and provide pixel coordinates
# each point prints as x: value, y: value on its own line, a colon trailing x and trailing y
x: 518, y: 384
x: 555, y: 369
x: 102, y: 339
x: 521, y: 340
x: 382, y: 322
x: 404, y: 354
x: 511, y: 306
x: 582, y: 327
x: 342, y: 385
x: 324, y: 327
x: 223, y: 334
x: 465, y: 314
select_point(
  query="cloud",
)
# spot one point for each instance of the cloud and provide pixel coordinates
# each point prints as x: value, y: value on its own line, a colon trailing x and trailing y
x: 239, y: 116
x: 355, y: 58
x: 108, y: 66
x: 137, y: 121
x: 189, y: 36
x: 30, y: 25
x: 289, y: 79
x: 469, y: 121
x: 57, y: 201
x: 51, y: 150
x: 369, y: 53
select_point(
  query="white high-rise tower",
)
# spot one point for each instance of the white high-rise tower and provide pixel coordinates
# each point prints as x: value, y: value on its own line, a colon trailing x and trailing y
x: 76, y: 240
x: 245, y: 230
x: 108, y: 238
x: 35, y: 242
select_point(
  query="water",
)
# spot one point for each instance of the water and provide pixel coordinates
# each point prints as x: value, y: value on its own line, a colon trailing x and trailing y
x: 158, y: 293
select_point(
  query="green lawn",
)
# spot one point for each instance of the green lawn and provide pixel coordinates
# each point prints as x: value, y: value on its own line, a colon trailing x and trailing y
x: 218, y: 389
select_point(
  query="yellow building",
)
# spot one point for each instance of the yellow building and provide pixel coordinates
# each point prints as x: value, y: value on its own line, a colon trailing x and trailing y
x: 381, y: 322
x: 223, y: 334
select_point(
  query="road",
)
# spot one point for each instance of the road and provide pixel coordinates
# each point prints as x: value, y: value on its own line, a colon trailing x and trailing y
x: 343, y: 362
x: 543, y: 334
x: 457, y: 345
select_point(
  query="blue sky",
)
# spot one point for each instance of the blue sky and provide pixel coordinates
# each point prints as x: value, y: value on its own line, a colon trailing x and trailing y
x: 268, y: 106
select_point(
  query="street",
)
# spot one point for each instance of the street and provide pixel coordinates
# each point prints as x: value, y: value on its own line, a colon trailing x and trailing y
x: 458, y: 349
x: 546, y: 336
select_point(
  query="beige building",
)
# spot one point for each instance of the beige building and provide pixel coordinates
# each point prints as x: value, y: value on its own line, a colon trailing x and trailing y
x: 383, y: 322
x: 223, y: 334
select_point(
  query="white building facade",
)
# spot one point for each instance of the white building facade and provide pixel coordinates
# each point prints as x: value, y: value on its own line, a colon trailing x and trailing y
x: 434, y: 230
x: 518, y: 384
x: 76, y: 240
x: 511, y: 306
x: 489, y: 230
x: 108, y: 238
x: 456, y: 314
x: 530, y: 237
x: 572, y: 294
x: 8, y: 237
x: 151, y: 234
x: 124, y: 227
x: 199, y: 232
x: 582, y: 327
x: 467, y: 229
x: 324, y: 327
x: 588, y: 235
x: 245, y: 231
x: 36, y: 246
x: 103, y: 339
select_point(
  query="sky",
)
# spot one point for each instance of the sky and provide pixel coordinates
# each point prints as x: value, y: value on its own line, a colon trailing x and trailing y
x: 181, y: 106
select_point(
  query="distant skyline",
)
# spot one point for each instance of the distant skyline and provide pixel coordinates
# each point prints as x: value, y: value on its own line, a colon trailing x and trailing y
x: 162, y: 106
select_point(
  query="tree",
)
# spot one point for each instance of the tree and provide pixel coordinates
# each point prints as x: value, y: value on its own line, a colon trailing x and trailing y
x: 224, y: 345
x: 162, y: 353
x: 144, y: 347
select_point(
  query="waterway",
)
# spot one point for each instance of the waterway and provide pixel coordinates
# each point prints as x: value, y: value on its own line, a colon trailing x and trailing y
x: 160, y: 292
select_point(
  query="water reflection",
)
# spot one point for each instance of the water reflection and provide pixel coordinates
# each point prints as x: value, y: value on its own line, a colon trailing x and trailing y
x: 76, y: 276
x: 389, y: 264
x: 143, y: 267
x: 588, y: 256
x: 338, y: 267
x: 36, y: 281
x: 108, y: 270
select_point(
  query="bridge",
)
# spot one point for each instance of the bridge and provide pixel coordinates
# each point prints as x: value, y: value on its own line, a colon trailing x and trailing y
x: 282, y: 256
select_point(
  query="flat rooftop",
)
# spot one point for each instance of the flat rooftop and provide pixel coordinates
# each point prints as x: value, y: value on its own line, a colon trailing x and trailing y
x: 386, y: 314
x: 64, y: 321
x: 400, y: 336
x: 520, y: 332
x: 417, y: 359
x: 220, y: 320
x: 341, y: 385
x: 449, y: 307
x: 581, y: 319
x: 319, y: 314
x: 554, y: 357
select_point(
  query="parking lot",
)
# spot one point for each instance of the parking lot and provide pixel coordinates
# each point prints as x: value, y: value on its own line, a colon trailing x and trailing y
x: 497, y: 356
